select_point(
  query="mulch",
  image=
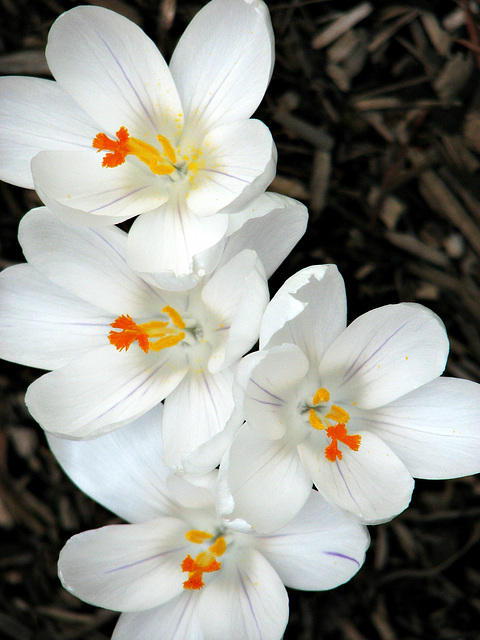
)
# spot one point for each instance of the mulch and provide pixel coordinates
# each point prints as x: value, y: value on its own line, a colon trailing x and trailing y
x: 375, y: 109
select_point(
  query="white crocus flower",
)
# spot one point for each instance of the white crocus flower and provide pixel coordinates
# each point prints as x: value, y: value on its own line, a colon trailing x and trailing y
x: 121, y: 134
x: 179, y: 572
x: 358, y: 410
x: 118, y: 345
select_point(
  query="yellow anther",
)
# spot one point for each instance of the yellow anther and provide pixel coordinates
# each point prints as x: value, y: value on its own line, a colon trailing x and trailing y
x: 321, y: 395
x: 315, y: 420
x: 197, y: 536
x: 219, y: 547
x: 175, y: 317
x: 167, y: 148
x: 337, y: 414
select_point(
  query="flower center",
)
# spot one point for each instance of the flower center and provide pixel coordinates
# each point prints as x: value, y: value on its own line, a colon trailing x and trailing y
x: 205, y: 562
x: 161, y: 163
x: 155, y: 335
x: 336, y: 431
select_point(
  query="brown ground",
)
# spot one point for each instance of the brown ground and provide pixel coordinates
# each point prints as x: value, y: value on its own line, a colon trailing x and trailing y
x: 375, y: 108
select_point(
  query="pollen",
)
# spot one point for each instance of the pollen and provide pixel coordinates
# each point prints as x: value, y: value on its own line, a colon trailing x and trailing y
x: 205, y: 562
x: 155, y: 335
x: 338, y: 433
x: 159, y: 163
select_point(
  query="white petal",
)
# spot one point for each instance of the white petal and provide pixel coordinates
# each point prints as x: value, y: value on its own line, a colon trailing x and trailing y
x: 245, y: 600
x: 267, y: 480
x: 309, y: 310
x: 235, y: 297
x: 384, y: 354
x: 76, y: 179
x: 271, y: 388
x: 36, y: 115
x: 168, y: 239
x: 321, y: 548
x: 209, y: 455
x: 177, y: 619
x: 122, y: 470
x: 271, y: 226
x: 371, y: 483
x: 223, y: 62
x: 126, y: 567
x: 41, y: 324
x: 239, y: 157
x: 434, y: 430
x: 89, y: 263
x: 114, y: 72
x: 102, y: 390
x: 196, y: 411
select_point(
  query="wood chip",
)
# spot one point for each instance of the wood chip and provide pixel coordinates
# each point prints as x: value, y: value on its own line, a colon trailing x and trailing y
x: 32, y: 63
x: 438, y: 37
x: 442, y: 200
x: 416, y: 247
x: 320, y: 180
x: 341, y: 25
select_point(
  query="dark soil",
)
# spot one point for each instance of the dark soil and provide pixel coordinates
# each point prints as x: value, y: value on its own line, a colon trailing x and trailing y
x: 378, y: 132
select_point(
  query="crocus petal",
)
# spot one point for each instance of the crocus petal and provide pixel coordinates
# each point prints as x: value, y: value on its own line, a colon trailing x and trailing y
x: 309, y: 310
x: 177, y: 619
x: 167, y: 239
x: 101, y: 391
x: 321, y: 548
x: 384, y: 354
x: 208, y: 456
x: 372, y: 482
x: 238, y: 156
x: 76, y: 179
x: 223, y: 77
x: 41, y: 324
x: 114, y: 72
x: 272, y: 225
x: 269, y: 391
x: 195, y: 411
x: 236, y: 296
x: 267, y: 480
x: 245, y: 600
x: 36, y: 115
x: 126, y: 567
x: 434, y: 430
x: 122, y: 470
x: 89, y: 263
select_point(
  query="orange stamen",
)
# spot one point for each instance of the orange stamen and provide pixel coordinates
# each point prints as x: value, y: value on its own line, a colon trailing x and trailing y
x: 166, y: 336
x: 338, y: 433
x: 126, y: 145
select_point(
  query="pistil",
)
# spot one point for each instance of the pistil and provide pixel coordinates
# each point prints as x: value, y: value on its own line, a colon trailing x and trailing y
x: 205, y: 561
x: 154, y: 335
x: 159, y: 163
x: 338, y: 431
